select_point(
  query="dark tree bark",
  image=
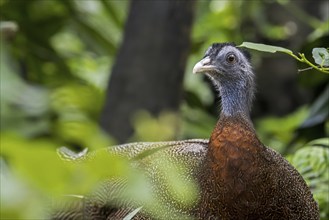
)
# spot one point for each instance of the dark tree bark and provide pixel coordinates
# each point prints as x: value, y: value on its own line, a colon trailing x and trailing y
x: 148, y: 72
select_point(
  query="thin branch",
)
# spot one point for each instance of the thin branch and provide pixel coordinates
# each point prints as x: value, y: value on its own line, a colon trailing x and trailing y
x: 304, y: 60
x: 305, y: 69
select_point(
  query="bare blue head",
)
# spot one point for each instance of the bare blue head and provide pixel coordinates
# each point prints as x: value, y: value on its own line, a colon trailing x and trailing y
x: 229, y: 69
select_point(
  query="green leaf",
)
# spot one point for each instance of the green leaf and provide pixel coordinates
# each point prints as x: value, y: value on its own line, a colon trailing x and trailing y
x: 36, y: 162
x: 312, y: 162
x: 320, y: 142
x: 321, y: 56
x: 265, y: 48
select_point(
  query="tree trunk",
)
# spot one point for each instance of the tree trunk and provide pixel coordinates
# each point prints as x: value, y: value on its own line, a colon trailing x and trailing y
x: 148, y: 72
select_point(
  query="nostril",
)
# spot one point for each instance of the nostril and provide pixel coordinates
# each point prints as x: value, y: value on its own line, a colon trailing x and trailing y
x: 206, y: 61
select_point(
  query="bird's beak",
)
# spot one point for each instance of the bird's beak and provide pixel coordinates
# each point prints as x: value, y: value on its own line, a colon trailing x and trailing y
x: 204, y: 66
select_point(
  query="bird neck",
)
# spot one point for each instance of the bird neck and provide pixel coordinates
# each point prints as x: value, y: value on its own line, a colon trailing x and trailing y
x: 236, y: 98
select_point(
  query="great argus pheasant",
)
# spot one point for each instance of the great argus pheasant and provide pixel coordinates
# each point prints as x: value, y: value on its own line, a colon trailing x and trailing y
x: 238, y: 177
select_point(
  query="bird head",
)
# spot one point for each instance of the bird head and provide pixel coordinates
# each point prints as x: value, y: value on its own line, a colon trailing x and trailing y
x: 224, y: 60
x: 229, y: 69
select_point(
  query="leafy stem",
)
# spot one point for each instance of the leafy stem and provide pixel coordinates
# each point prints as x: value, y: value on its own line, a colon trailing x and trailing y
x: 322, y: 52
x: 303, y: 59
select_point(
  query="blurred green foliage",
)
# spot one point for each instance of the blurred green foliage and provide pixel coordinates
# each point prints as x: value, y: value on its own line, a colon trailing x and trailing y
x: 55, y: 62
x: 279, y: 131
x: 312, y: 162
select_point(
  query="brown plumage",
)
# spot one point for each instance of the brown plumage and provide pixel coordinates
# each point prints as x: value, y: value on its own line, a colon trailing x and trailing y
x: 250, y: 180
x: 239, y: 177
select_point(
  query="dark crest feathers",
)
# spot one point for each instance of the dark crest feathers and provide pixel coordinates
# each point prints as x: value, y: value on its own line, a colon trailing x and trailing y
x: 216, y: 47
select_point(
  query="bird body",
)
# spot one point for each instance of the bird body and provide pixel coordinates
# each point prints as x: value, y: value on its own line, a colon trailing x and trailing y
x: 242, y: 178
x: 250, y: 180
x: 103, y: 203
x: 238, y: 176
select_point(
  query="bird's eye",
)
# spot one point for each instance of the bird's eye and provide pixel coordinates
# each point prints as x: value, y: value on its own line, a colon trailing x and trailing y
x: 231, y: 58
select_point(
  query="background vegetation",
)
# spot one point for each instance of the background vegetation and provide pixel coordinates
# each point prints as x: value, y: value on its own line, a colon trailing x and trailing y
x: 56, y: 60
